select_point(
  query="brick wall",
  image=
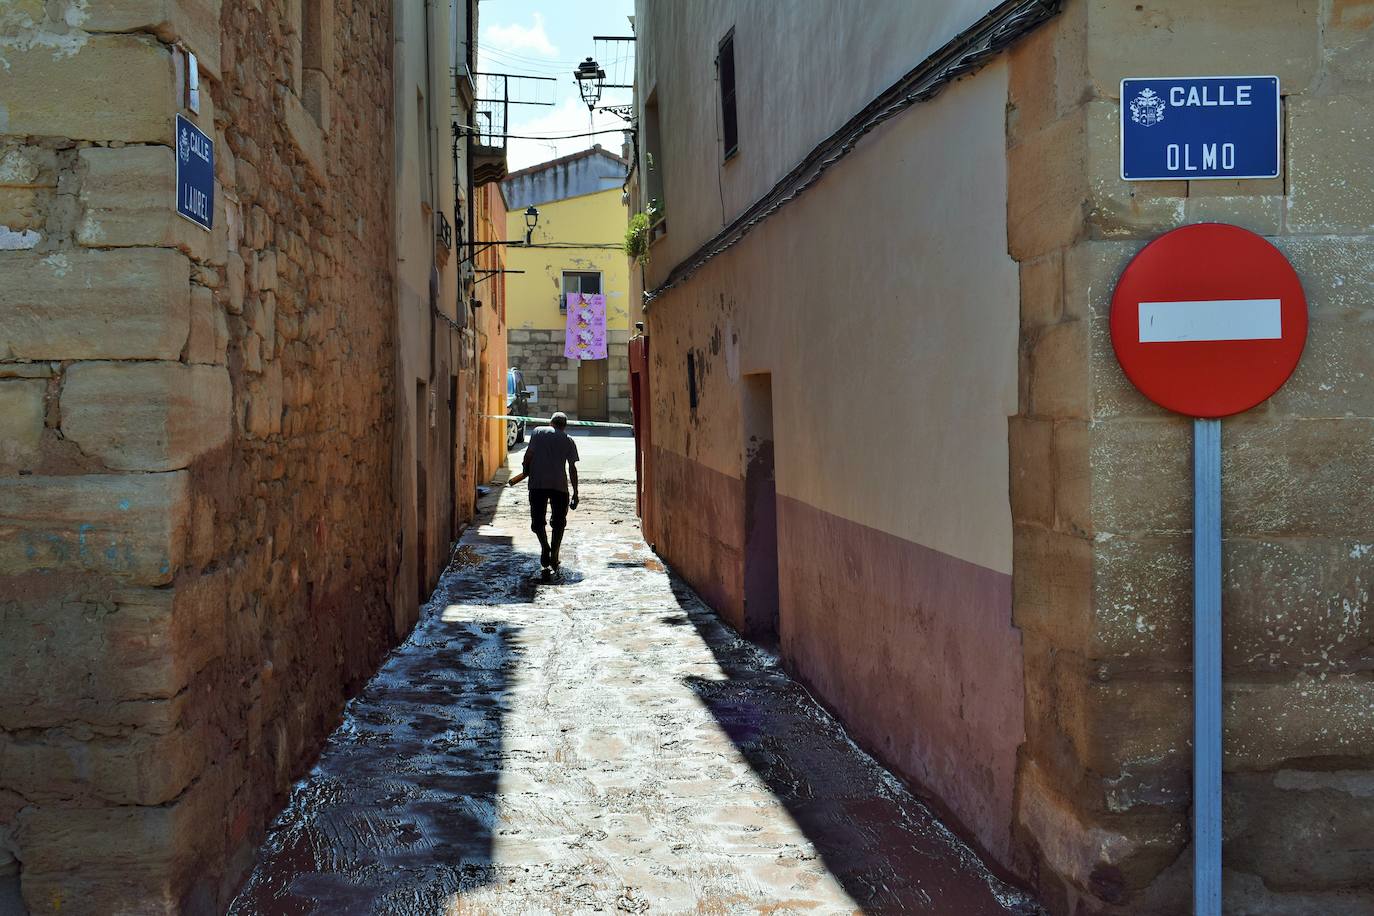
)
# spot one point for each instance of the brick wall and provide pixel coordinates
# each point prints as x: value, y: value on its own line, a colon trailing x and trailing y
x: 1101, y: 480
x: 196, y: 519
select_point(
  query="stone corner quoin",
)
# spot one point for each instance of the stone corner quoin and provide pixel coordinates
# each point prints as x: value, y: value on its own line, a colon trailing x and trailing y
x: 1102, y: 478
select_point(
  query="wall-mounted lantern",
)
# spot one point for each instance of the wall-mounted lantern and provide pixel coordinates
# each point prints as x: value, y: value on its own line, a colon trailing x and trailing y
x: 531, y: 220
x: 590, y: 78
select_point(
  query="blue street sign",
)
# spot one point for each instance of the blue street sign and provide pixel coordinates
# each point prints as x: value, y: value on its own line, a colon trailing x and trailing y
x: 195, y: 174
x: 1200, y: 127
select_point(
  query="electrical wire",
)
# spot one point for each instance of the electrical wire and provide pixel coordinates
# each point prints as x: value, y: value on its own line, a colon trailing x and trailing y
x: 597, y: 245
x: 530, y: 68
x: 543, y: 63
x: 535, y: 58
x: 590, y: 133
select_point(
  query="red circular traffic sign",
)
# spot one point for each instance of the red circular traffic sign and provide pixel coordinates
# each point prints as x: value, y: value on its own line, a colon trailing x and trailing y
x: 1209, y: 320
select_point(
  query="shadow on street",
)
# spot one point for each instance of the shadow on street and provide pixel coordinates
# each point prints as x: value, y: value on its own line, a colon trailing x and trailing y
x: 887, y: 849
x: 597, y: 741
x: 398, y: 815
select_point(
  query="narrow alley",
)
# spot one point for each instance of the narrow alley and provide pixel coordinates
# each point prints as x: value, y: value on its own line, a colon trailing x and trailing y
x: 598, y: 742
x: 975, y: 402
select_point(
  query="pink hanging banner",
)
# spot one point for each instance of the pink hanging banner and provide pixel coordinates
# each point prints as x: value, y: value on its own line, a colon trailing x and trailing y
x: 586, y: 334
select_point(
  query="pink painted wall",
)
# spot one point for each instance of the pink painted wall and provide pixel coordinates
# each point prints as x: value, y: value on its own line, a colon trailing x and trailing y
x: 914, y: 650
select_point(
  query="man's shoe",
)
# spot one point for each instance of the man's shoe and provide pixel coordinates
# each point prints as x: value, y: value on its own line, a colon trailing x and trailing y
x: 544, y: 557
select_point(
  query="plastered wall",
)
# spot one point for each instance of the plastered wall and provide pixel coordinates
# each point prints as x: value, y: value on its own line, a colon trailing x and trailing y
x: 884, y: 305
x: 791, y: 100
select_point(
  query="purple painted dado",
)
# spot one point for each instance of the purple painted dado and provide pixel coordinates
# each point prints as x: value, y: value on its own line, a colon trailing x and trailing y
x: 915, y: 651
x: 703, y: 532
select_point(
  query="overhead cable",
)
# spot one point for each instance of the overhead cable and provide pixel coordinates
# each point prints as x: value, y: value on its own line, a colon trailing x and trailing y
x: 590, y: 133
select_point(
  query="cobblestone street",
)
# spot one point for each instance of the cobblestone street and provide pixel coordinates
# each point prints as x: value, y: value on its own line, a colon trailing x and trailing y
x: 597, y: 743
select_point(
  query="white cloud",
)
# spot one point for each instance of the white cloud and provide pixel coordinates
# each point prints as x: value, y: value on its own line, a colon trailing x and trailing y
x: 519, y: 38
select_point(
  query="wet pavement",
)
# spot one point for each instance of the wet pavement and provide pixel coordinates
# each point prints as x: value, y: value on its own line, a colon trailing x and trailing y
x: 597, y: 742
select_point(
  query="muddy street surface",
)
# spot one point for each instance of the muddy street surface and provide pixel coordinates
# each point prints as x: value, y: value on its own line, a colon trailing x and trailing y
x: 597, y: 742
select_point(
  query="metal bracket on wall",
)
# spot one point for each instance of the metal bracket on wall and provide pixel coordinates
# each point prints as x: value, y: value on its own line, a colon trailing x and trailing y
x: 624, y: 112
x: 486, y: 274
x: 479, y: 247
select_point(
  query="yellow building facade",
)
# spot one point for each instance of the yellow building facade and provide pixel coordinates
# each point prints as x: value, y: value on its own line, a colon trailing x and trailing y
x: 575, y: 247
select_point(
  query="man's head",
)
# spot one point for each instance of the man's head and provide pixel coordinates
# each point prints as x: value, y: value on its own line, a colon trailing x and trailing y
x: 559, y: 420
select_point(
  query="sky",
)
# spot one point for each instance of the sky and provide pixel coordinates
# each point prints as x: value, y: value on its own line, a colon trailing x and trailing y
x: 550, y: 38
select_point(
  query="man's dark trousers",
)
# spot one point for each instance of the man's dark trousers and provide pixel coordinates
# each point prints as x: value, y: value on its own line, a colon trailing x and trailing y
x: 540, y: 502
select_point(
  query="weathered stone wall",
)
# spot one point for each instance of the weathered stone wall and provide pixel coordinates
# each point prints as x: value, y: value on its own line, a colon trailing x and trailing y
x: 539, y: 355
x: 197, y: 529
x: 1101, y: 480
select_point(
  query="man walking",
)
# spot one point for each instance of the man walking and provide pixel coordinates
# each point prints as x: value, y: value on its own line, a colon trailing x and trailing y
x: 550, y: 461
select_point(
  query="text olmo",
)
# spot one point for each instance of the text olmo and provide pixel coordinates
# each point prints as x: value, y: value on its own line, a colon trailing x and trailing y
x: 1179, y: 157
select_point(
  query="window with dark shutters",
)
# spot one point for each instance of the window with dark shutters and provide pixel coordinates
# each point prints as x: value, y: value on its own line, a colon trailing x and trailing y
x: 578, y: 281
x: 725, y: 63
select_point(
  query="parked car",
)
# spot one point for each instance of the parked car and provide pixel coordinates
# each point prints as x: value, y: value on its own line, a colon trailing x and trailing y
x: 517, y: 405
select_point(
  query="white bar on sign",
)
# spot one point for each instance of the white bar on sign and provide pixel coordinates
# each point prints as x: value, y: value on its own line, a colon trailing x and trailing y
x: 1212, y: 319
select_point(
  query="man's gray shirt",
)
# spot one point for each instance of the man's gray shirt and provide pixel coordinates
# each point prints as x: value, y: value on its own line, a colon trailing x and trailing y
x: 547, y: 457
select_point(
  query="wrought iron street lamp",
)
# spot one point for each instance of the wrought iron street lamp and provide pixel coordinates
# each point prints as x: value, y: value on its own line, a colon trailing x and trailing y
x: 531, y: 220
x: 590, y: 79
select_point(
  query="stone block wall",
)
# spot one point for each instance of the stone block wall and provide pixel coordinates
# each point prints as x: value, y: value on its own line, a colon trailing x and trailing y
x: 539, y: 354
x: 1101, y: 480
x: 197, y: 528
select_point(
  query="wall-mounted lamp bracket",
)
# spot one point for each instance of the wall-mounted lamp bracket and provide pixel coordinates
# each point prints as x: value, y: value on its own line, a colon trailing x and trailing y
x: 488, y: 274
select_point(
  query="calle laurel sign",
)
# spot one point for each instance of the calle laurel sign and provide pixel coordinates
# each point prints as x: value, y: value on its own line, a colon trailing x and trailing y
x: 1200, y: 127
x: 195, y: 158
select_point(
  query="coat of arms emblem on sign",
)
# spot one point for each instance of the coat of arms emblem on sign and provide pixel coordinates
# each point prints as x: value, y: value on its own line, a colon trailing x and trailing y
x: 1147, y: 109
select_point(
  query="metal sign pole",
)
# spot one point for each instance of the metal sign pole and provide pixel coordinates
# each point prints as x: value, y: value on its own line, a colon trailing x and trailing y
x: 1208, y: 320
x: 1207, y: 700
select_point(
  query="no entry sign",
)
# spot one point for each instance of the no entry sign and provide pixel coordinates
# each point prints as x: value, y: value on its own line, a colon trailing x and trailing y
x: 1209, y: 320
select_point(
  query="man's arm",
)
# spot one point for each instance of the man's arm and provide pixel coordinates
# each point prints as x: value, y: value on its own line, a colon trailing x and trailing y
x: 524, y: 469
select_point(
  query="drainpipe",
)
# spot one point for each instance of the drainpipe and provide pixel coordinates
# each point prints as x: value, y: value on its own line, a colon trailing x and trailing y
x: 470, y: 51
x: 435, y: 285
x: 470, y: 427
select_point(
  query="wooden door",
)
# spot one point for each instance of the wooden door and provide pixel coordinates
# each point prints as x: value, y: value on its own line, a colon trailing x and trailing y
x: 591, y: 389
